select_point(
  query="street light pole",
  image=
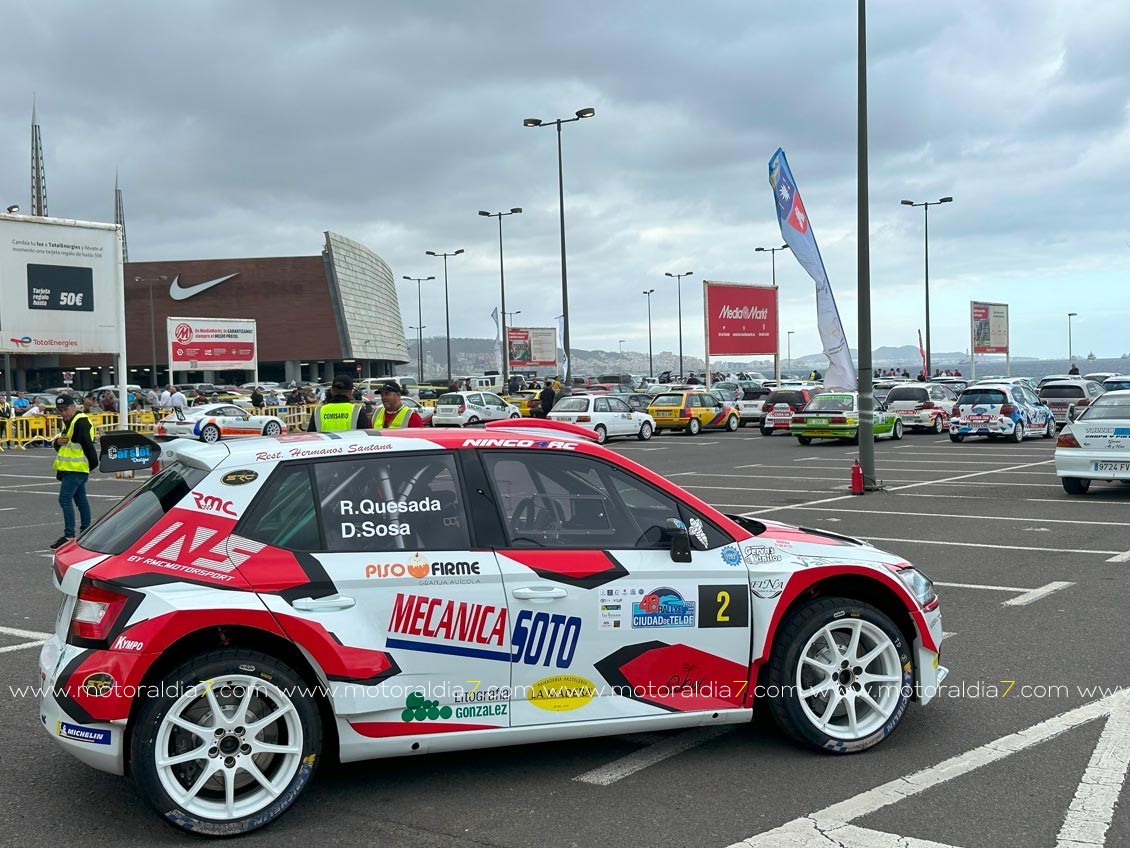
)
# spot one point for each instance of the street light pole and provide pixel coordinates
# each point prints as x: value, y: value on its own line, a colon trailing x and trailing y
x: 650, y: 359
x: 772, y: 251
x: 587, y: 112
x: 678, y: 278
x: 1070, y: 351
x: 504, y: 343
x: 446, y: 304
x: 420, y: 319
x: 789, y: 340
x: 153, y: 325
x: 510, y: 316
x: 622, y: 356
x: 419, y: 328
x: 926, y: 241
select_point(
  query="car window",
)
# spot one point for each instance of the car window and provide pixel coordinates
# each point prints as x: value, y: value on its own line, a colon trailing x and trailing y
x: 572, y: 404
x: 791, y: 397
x: 1031, y: 395
x: 1061, y: 392
x: 391, y: 503
x: 494, y: 400
x: 475, y: 398
x: 233, y: 412
x: 126, y: 523
x: 831, y: 403
x: 1105, y: 408
x: 283, y: 514
x: 617, y: 405
x: 911, y: 393
x: 553, y: 500
x: 450, y: 399
x: 600, y: 405
x: 981, y: 397
x: 1018, y: 396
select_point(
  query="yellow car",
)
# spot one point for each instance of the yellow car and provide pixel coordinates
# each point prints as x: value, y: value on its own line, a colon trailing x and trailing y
x: 693, y: 412
x: 526, y: 402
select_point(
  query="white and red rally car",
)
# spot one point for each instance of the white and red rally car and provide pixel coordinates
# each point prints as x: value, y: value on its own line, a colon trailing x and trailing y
x: 261, y: 604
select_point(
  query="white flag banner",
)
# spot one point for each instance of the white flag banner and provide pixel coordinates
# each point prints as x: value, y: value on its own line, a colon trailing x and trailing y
x: 497, y: 340
x: 561, y: 344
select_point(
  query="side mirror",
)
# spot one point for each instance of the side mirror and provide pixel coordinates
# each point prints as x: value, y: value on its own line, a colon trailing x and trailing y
x: 680, y: 540
x: 1071, y: 413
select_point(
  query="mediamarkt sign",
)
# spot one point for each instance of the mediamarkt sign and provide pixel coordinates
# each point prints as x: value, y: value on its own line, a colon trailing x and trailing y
x: 741, y: 320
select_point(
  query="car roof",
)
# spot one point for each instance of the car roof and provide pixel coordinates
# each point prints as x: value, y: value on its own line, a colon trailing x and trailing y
x: 1076, y: 383
x: 989, y: 385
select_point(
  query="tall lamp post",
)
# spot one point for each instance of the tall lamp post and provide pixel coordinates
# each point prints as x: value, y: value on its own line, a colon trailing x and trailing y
x: 510, y: 316
x: 504, y: 342
x: 1070, y: 351
x: 446, y: 305
x: 650, y: 359
x: 150, y: 281
x: 926, y: 204
x: 419, y: 281
x: 622, y: 355
x: 419, y: 328
x: 772, y: 251
x: 789, y: 341
x: 587, y: 112
x: 678, y: 278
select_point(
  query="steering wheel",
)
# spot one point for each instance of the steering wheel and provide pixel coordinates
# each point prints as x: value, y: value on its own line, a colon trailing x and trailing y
x: 525, y: 518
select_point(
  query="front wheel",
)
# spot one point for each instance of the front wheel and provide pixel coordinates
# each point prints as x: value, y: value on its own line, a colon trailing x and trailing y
x: 1075, y: 485
x: 645, y: 432
x: 957, y: 437
x: 272, y: 429
x: 840, y: 675
x: 1018, y: 432
x: 228, y: 745
x: 732, y: 423
x: 601, y: 434
x: 210, y: 433
x: 694, y: 427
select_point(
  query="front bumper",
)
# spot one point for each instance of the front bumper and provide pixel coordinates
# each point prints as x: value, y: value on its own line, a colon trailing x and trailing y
x: 1085, y: 464
x: 929, y: 673
x: 98, y: 744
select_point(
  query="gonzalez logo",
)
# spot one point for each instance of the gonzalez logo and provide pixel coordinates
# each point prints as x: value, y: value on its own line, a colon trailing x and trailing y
x: 183, y: 333
x: 744, y: 313
x: 211, y: 503
x: 663, y: 607
x: 25, y: 341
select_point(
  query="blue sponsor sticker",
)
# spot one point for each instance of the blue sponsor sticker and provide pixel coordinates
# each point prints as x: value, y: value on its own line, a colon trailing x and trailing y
x: 731, y: 555
x: 663, y: 607
x: 93, y: 735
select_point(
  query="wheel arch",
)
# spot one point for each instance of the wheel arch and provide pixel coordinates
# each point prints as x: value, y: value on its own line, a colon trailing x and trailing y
x: 216, y: 637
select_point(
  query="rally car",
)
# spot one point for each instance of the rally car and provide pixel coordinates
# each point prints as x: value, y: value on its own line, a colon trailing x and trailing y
x: 1000, y: 409
x: 780, y: 405
x: 692, y: 412
x: 214, y: 421
x: 259, y: 605
x: 1095, y: 444
x: 605, y: 415
x: 923, y: 406
x: 836, y: 416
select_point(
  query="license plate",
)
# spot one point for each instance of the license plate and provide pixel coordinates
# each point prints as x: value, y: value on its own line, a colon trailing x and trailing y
x: 906, y: 411
x: 1112, y: 466
x: 818, y: 422
x: 447, y: 410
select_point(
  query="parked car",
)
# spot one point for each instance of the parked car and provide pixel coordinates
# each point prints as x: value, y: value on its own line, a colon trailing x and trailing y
x: 1116, y: 384
x: 1095, y: 444
x: 215, y: 421
x: 922, y: 406
x: 836, y: 416
x: 1061, y: 394
x: 779, y: 407
x: 606, y: 415
x: 458, y: 409
x: 1000, y: 409
x: 750, y: 406
x: 692, y: 412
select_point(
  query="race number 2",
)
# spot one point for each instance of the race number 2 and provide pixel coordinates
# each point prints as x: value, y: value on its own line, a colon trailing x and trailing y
x: 723, y: 606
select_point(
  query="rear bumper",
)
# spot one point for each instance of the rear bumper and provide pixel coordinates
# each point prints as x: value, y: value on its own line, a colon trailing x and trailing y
x: 1081, y: 463
x: 993, y: 426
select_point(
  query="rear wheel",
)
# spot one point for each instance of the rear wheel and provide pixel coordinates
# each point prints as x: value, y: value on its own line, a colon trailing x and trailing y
x: 272, y: 429
x: 601, y: 434
x: 645, y: 432
x: 804, y: 440
x: 732, y: 423
x: 937, y: 425
x: 209, y: 433
x: 1075, y: 485
x: 957, y: 437
x: 1049, y: 431
x: 896, y: 432
x: 1018, y: 432
x: 230, y: 746
x: 694, y: 427
x: 844, y: 675
x: 472, y: 420
x: 515, y: 415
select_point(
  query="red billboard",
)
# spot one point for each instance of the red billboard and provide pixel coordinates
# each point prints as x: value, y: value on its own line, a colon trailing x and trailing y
x: 741, y: 320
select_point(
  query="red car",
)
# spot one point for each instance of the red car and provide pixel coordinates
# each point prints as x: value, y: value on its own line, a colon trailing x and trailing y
x: 780, y: 406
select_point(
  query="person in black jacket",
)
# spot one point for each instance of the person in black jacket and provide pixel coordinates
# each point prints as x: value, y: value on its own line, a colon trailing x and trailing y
x: 545, y: 397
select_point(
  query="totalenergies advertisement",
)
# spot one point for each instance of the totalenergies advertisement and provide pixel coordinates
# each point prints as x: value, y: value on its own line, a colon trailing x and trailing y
x: 741, y: 319
x: 198, y: 343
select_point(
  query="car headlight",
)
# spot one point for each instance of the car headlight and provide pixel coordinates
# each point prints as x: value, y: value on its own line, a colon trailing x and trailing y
x: 919, y: 585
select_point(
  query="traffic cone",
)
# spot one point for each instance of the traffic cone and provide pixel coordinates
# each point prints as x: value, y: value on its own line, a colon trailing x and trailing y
x: 856, y: 478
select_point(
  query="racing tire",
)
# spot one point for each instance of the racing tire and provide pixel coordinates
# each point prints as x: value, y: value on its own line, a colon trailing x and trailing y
x: 1075, y: 485
x: 742, y: 422
x: 804, y: 440
x: 471, y: 420
x: 938, y: 427
x: 1049, y: 431
x: 601, y: 434
x: 1017, y: 434
x: 515, y: 415
x: 209, y: 691
x: 272, y: 428
x: 815, y: 672
x: 210, y: 433
x: 767, y: 431
x: 645, y: 433
x: 694, y: 427
x: 732, y: 423
x: 957, y: 438
x: 896, y: 431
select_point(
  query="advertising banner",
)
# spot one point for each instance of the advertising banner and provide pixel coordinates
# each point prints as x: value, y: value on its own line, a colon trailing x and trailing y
x: 211, y: 343
x: 531, y: 347
x: 741, y: 319
x: 60, y: 287
x: 989, y: 327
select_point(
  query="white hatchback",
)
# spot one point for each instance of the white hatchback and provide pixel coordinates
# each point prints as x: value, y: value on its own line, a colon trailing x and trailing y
x: 1096, y: 444
x: 458, y: 409
x: 605, y: 415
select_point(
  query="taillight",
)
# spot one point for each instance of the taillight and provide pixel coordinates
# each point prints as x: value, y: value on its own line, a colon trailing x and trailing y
x: 839, y: 419
x: 95, y: 612
x: 584, y: 419
x: 1008, y: 409
x: 927, y: 405
x: 1082, y: 402
x: 462, y: 408
x: 956, y: 411
x: 1067, y: 440
x: 798, y: 419
x: 765, y: 407
x: 684, y: 413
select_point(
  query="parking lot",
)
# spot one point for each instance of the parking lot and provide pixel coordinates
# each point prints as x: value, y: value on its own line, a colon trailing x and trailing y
x: 1028, y: 742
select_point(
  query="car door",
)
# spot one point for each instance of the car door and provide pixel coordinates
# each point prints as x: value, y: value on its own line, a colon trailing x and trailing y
x: 371, y: 560
x: 234, y: 421
x: 623, y: 421
x: 605, y: 623
x: 495, y: 406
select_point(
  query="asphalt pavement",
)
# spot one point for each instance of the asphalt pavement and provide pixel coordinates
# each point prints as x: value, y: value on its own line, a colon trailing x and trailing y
x: 1027, y: 743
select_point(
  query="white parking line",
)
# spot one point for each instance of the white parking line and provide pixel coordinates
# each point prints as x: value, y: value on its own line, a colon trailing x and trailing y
x: 649, y: 756
x: 867, y: 512
x: 7, y: 649
x: 23, y: 634
x: 1026, y: 597
x: 982, y: 545
x: 1091, y: 810
x: 1122, y: 557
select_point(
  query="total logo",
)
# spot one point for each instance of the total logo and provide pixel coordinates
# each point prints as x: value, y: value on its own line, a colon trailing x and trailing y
x: 744, y: 313
x: 420, y: 568
x: 24, y: 341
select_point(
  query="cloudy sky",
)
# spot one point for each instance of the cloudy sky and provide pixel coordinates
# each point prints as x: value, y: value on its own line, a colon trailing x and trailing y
x: 246, y: 129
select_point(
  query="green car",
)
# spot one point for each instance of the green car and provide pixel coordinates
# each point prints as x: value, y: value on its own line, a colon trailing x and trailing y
x: 836, y: 416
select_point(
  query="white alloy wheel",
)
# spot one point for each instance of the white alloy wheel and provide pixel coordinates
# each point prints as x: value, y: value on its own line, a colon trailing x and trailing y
x: 272, y: 429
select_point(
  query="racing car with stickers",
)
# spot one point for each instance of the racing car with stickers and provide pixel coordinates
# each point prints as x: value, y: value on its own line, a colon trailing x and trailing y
x: 262, y: 604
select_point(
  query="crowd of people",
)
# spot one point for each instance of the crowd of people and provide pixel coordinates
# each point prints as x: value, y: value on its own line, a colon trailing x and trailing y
x: 895, y: 373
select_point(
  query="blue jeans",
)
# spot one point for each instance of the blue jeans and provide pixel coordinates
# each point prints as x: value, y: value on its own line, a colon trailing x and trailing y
x: 72, y: 490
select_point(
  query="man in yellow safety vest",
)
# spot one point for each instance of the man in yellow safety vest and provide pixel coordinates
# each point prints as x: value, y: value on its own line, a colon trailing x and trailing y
x: 393, y: 414
x: 75, y: 460
x: 339, y: 412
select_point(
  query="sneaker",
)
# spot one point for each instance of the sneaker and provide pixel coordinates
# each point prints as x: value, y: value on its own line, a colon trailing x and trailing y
x: 62, y: 540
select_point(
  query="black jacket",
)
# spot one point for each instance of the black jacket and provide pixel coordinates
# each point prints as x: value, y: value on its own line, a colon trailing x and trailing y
x: 546, y: 397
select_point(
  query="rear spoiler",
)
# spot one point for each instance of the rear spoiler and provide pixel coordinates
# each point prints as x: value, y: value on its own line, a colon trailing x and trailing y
x: 126, y: 450
x: 543, y: 427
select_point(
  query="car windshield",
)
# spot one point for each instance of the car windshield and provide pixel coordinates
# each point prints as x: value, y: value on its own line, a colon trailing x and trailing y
x: 668, y: 400
x: 1116, y: 385
x: 791, y: 398
x: 982, y: 397
x: 913, y: 393
x: 572, y: 404
x: 1107, y: 409
x: 1062, y: 392
x: 831, y: 403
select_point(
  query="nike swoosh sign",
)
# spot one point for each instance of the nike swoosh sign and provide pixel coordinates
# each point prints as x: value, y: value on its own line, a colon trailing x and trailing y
x: 179, y: 292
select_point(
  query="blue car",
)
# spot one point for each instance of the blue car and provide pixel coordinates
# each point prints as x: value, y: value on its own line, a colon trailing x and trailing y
x: 1010, y: 410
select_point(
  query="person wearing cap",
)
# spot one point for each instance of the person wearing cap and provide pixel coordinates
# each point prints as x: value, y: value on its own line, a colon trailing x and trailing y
x: 339, y: 412
x: 75, y: 459
x: 393, y: 414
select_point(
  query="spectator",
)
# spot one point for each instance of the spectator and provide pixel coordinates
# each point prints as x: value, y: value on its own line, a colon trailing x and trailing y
x: 177, y: 400
x: 1074, y: 370
x: 90, y: 405
x: 153, y: 399
x: 199, y: 398
x: 76, y: 459
x: 34, y: 408
x: 109, y: 402
x: 257, y: 398
x: 272, y: 398
x: 546, y: 398
x: 515, y: 384
x: 19, y: 403
x: 957, y: 372
x: 165, y: 401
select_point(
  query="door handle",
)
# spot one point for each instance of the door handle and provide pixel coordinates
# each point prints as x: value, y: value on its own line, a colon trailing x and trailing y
x: 337, y: 602
x: 539, y: 593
